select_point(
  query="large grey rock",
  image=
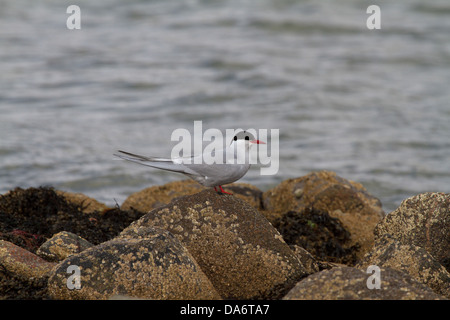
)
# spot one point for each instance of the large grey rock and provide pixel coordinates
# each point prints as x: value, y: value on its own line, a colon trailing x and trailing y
x: 347, y: 283
x: 424, y: 221
x: 236, y: 247
x: 154, y: 266
x: 415, y: 261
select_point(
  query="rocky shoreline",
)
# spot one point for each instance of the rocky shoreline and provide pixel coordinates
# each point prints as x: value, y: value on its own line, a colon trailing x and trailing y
x: 312, y: 237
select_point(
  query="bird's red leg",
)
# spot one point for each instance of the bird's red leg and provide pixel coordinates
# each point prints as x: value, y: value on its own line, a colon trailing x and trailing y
x: 223, y: 191
x: 215, y: 189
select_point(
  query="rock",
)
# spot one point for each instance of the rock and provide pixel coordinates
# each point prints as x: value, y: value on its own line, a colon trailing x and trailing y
x: 87, y: 204
x: 298, y: 193
x: 157, y: 196
x: 155, y: 266
x: 236, y: 247
x: 321, y: 235
x: 347, y: 283
x: 247, y: 192
x: 324, y: 191
x: 23, y: 275
x: 424, y: 221
x: 310, y: 264
x: 62, y: 245
x: 21, y: 262
x: 13, y: 287
x: 122, y: 297
x: 415, y: 261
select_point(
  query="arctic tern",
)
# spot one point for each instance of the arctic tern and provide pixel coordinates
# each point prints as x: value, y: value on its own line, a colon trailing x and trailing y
x: 234, y: 166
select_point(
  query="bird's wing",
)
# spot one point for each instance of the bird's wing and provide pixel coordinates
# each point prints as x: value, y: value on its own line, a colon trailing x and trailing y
x: 217, y: 174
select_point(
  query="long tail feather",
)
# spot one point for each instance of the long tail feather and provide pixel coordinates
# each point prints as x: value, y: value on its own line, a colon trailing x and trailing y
x: 160, y: 163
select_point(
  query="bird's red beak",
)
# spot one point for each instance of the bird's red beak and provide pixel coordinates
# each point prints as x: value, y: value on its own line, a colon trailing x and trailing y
x: 257, y: 142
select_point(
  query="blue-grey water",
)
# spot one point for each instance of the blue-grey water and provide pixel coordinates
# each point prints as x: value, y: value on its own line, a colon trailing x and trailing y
x: 371, y: 105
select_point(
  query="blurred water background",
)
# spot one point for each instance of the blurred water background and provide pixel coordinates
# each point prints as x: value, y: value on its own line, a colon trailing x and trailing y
x: 371, y: 105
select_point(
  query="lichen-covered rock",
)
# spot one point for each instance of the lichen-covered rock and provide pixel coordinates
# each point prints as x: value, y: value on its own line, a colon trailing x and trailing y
x: 23, y: 275
x: 308, y: 261
x: 347, y: 283
x: 236, y: 247
x: 424, y: 221
x: 319, y: 189
x: 247, y: 192
x: 21, y: 262
x: 157, y: 196
x: 415, y: 261
x: 324, y: 191
x: 155, y: 266
x: 62, y: 245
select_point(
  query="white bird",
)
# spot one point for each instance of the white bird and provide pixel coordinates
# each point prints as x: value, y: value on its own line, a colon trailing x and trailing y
x: 234, y: 166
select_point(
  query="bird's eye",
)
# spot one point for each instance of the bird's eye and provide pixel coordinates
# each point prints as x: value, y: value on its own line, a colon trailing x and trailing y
x: 235, y: 138
x: 247, y: 138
